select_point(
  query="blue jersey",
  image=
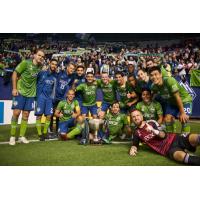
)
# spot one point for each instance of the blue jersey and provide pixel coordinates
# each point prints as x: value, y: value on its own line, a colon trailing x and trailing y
x: 81, y: 79
x: 46, y: 84
x: 64, y: 82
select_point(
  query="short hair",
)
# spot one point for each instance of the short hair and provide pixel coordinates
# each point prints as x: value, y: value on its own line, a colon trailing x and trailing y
x: 80, y: 66
x: 120, y: 73
x: 36, y: 51
x: 71, y: 90
x: 53, y: 59
x: 156, y: 68
x: 134, y: 110
x: 116, y: 102
x: 146, y: 89
x: 142, y: 69
x: 149, y: 59
x: 131, y: 75
x: 71, y: 63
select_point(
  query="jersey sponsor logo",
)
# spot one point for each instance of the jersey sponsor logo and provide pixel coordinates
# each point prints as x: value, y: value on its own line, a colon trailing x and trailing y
x: 188, y: 89
x: 49, y: 82
x: 113, y: 123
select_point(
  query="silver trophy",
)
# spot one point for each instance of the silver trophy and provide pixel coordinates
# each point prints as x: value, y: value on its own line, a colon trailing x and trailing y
x: 95, y: 125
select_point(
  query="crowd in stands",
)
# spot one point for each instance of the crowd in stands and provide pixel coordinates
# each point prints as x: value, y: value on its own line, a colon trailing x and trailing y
x: 178, y: 59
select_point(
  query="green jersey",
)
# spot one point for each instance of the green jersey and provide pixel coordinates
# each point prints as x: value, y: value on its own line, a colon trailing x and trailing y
x: 122, y: 91
x: 164, y: 72
x: 89, y: 93
x: 168, y: 88
x: 67, y: 109
x: 108, y: 91
x: 116, y: 122
x: 151, y: 110
x: 26, y: 85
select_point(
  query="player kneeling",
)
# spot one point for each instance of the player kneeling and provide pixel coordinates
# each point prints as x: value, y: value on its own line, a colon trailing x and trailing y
x: 68, y: 112
x: 115, y: 124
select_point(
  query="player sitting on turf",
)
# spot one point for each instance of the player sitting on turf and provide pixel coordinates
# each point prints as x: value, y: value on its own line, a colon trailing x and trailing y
x: 24, y: 81
x: 46, y: 85
x: 151, y: 110
x: 170, y: 145
x: 177, y: 100
x: 67, y: 111
x: 116, y: 124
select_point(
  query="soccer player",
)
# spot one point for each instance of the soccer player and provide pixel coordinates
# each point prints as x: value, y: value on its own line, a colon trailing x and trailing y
x: 79, y: 78
x: 126, y: 94
x: 116, y: 123
x: 177, y: 100
x: 67, y: 111
x: 143, y: 79
x: 24, y: 80
x: 109, y: 94
x: 151, y: 110
x: 89, y: 92
x: 150, y: 63
x: 65, y: 80
x: 167, y: 144
x: 46, y: 85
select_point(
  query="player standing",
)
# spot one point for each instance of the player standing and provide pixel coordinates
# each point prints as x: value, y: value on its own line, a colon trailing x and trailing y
x: 46, y: 86
x: 177, y: 100
x: 24, y: 81
x: 109, y: 94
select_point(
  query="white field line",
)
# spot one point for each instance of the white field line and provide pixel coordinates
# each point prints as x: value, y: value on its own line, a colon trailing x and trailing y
x: 114, y: 142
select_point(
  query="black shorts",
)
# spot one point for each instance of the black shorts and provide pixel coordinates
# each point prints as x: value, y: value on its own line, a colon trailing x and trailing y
x: 180, y: 143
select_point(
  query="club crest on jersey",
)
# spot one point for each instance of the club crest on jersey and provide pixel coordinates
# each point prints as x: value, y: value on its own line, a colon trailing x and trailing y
x: 15, y: 103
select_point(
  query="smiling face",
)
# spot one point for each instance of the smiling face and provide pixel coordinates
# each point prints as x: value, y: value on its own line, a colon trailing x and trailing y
x: 137, y: 117
x: 156, y: 77
x: 39, y: 57
x: 146, y: 96
x: 80, y: 71
x: 105, y: 78
x: 119, y: 78
x: 70, y: 95
x: 142, y: 75
x: 70, y: 69
x: 53, y: 66
x: 115, y: 108
x: 90, y: 77
x: 132, y: 81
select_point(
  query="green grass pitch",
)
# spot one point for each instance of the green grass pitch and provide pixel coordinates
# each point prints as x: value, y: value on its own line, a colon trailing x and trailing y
x: 69, y: 153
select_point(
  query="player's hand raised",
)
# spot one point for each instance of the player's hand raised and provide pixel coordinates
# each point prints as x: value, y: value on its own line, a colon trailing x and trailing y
x: 133, y: 151
x: 15, y: 92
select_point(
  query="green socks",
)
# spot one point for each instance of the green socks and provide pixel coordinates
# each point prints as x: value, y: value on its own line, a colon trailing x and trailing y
x: 74, y: 132
x: 185, y: 128
x: 23, y: 127
x: 46, y: 126
x: 39, y: 126
x: 170, y: 127
x: 13, y: 127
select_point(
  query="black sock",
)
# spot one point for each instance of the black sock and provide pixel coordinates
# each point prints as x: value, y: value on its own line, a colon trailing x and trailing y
x: 192, y: 160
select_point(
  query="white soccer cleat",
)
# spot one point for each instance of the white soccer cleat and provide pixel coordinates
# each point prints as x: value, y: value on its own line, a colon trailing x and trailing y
x: 23, y: 140
x: 12, y: 141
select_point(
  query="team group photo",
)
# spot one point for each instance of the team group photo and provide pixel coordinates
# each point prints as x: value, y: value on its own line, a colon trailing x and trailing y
x: 88, y: 99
